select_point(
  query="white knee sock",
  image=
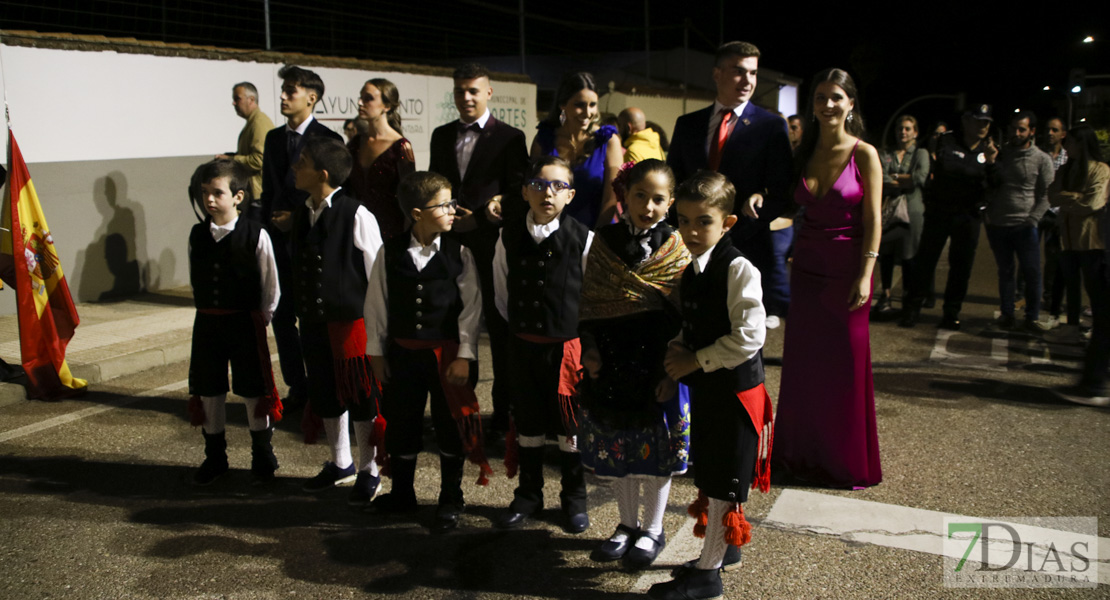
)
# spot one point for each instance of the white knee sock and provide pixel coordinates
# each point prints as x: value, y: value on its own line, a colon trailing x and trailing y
x: 568, y: 444
x: 215, y: 413
x: 627, y: 490
x: 530, y: 441
x: 713, y: 552
x: 366, y: 451
x: 656, y: 492
x: 339, y: 440
x: 255, y: 423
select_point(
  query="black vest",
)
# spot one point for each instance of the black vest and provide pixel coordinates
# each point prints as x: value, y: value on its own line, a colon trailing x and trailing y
x: 329, y: 277
x: 423, y: 305
x: 705, y: 320
x: 545, y: 279
x: 225, y: 274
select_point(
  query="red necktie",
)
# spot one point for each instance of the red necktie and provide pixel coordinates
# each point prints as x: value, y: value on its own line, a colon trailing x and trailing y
x: 722, y: 137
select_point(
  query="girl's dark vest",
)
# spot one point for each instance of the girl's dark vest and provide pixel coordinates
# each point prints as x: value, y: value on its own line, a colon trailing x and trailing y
x: 329, y: 277
x: 545, y: 279
x: 705, y: 320
x: 225, y: 274
x: 423, y: 305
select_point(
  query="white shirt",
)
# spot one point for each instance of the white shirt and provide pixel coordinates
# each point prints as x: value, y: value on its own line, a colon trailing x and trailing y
x: 645, y: 240
x: 539, y: 233
x: 368, y: 237
x: 715, y: 122
x: 264, y: 253
x: 464, y: 144
x: 745, y: 313
x: 377, y: 299
x: 300, y: 128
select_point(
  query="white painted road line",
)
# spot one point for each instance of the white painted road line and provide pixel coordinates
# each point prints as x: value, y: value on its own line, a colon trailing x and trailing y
x: 901, y: 527
x: 94, y: 410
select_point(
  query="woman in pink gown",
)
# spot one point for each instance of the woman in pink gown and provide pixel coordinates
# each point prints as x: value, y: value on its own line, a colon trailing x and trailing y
x: 825, y: 426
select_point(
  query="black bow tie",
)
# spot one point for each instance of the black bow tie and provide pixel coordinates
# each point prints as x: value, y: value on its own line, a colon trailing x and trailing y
x: 475, y: 127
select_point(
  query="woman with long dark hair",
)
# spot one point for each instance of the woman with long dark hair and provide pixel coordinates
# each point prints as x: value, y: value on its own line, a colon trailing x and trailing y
x: 1080, y: 190
x: 905, y: 170
x: 594, y: 153
x: 825, y: 429
x: 381, y: 157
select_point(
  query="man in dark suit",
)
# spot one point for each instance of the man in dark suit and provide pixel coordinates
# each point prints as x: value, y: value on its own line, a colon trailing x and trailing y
x: 743, y: 142
x: 485, y: 161
x: 300, y: 91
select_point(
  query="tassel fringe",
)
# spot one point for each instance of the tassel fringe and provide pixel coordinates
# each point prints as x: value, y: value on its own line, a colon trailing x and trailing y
x: 195, y: 409
x: 699, y: 509
x: 738, y: 531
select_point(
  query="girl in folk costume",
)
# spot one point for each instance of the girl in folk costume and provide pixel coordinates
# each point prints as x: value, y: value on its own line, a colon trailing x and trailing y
x: 235, y: 288
x: 636, y: 429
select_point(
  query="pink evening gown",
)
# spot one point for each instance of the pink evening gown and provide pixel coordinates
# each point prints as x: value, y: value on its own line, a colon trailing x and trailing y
x: 825, y: 429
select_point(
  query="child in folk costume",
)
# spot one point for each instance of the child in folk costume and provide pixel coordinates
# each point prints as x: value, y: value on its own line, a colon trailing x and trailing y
x: 537, y: 275
x: 635, y: 427
x: 718, y: 356
x: 334, y: 241
x: 235, y: 288
x: 424, y: 306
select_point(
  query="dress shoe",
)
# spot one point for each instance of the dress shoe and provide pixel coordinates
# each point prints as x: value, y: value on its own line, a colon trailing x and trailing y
x: 576, y: 523
x: 609, y: 550
x: 510, y: 519
x: 447, y: 516
x: 733, y: 560
x: 639, y: 558
x: 909, y: 318
x: 696, y: 584
x: 949, y: 322
x: 393, y: 503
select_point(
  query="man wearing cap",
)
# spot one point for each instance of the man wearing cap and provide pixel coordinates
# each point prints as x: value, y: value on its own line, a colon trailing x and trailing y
x: 953, y: 210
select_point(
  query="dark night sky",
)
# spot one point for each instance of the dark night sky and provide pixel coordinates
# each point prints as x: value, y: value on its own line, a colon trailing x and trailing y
x: 895, y: 53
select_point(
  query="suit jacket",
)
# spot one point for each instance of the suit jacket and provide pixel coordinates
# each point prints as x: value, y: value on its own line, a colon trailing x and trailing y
x: 756, y: 159
x: 497, y: 166
x: 251, y: 149
x: 278, y: 192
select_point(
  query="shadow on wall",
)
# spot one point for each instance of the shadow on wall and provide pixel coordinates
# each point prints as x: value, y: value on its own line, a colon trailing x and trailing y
x: 115, y: 264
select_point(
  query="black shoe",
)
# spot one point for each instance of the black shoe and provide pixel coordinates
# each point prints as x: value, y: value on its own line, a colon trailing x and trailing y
x: 949, y: 322
x: 733, y: 560
x: 697, y: 584
x: 1005, y: 322
x: 882, y: 309
x: 394, y: 503
x: 263, y: 461
x: 638, y: 558
x: 510, y: 519
x: 576, y: 523
x: 329, y: 477
x: 609, y: 550
x: 447, y: 516
x: 1081, y: 395
x: 366, y: 485
x: 909, y: 318
x: 215, y: 459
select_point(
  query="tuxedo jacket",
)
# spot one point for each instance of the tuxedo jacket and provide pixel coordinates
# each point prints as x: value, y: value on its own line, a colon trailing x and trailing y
x: 497, y: 166
x: 278, y: 192
x: 756, y: 159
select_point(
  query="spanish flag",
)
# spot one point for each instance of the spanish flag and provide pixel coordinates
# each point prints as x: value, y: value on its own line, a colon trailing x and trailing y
x: 29, y: 263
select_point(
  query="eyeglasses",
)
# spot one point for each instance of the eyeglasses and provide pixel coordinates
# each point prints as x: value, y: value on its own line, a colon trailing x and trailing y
x: 446, y: 207
x: 541, y: 185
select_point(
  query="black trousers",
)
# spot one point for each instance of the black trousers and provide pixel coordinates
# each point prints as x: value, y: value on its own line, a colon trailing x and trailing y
x: 534, y: 369
x: 963, y: 229
x: 413, y: 377
x: 322, y: 390
x: 284, y: 321
x: 1096, y: 273
x: 218, y: 340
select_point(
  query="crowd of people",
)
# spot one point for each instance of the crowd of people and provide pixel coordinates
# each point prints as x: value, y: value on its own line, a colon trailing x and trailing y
x: 626, y: 285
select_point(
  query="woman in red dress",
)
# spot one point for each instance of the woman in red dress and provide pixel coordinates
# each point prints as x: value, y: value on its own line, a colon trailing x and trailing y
x: 382, y: 157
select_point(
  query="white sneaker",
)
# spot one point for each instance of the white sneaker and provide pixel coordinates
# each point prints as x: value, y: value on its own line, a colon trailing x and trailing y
x: 1048, y: 323
x: 773, y: 322
x: 1080, y: 396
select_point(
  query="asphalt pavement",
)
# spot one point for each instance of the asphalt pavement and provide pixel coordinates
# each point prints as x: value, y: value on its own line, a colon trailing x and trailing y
x: 96, y: 499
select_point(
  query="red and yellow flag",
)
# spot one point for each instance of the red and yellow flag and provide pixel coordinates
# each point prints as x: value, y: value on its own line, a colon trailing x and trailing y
x: 47, y: 316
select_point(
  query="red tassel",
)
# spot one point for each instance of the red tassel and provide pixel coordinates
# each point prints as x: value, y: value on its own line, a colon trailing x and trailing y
x: 196, y: 411
x: 311, y: 425
x: 483, y: 474
x: 737, y: 529
x: 377, y: 440
x: 512, y: 451
x: 699, y: 509
x: 269, y: 406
